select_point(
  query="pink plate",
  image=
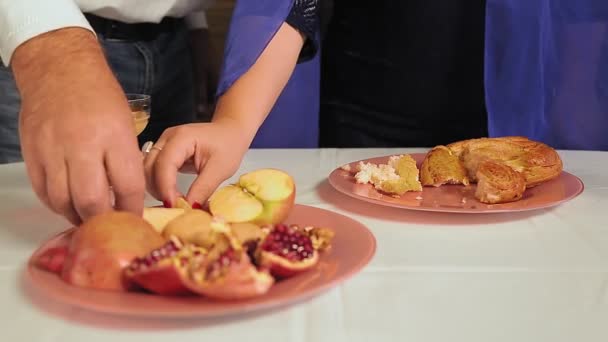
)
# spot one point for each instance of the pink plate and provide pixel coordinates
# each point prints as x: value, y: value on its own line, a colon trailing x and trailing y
x: 353, y: 248
x: 456, y: 198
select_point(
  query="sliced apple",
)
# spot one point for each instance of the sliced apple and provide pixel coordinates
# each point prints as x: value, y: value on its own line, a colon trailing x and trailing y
x: 262, y: 197
x: 160, y: 217
x: 234, y: 204
x: 182, y: 203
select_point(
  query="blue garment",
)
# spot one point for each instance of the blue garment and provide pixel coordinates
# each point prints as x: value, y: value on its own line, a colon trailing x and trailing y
x: 546, y: 71
x: 293, y: 121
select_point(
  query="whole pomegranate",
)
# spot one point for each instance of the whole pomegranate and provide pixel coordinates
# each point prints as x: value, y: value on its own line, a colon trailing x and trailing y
x: 103, y: 246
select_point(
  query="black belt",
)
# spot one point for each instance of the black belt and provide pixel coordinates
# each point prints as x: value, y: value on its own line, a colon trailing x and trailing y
x: 113, y: 29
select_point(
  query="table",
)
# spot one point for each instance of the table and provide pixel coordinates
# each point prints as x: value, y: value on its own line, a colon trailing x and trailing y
x: 536, y: 276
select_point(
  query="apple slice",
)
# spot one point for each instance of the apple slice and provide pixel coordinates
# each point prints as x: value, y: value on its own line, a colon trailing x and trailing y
x: 233, y: 204
x: 182, y: 204
x: 160, y: 217
x: 262, y: 197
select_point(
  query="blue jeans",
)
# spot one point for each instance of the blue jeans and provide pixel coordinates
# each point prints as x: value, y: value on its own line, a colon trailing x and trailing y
x: 161, y: 68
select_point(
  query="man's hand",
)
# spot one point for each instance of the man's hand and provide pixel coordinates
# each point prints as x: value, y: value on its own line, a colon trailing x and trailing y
x: 76, y: 129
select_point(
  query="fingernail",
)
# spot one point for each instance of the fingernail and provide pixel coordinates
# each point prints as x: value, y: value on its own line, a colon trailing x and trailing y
x: 167, y: 204
x: 196, y: 205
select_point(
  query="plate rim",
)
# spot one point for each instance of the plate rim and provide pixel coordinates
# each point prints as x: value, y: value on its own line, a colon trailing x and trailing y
x: 232, y: 310
x: 446, y: 210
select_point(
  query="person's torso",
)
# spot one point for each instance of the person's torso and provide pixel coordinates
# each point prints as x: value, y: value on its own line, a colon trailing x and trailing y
x: 138, y: 11
x: 413, y: 59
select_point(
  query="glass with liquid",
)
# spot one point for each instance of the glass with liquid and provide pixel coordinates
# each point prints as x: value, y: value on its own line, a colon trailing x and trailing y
x: 140, y: 109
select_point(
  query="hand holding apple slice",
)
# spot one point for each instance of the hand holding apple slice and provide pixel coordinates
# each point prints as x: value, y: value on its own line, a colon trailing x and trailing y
x: 262, y: 197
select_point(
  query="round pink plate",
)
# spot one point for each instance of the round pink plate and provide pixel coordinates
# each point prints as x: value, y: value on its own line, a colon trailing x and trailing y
x: 455, y: 198
x: 352, y: 249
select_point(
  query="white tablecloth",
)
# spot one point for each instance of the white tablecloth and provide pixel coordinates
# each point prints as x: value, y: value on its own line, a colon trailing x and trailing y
x: 538, y: 276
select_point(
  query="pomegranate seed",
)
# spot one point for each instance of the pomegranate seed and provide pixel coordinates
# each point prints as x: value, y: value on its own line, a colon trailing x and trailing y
x: 183, y: 261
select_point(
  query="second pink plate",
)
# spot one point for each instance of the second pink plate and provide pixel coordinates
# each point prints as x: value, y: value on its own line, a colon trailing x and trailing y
x: 455, y: 198
x: 352, y: 249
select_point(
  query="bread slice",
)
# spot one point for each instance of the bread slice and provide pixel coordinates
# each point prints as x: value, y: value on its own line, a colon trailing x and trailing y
x: 498, y: 183
x: 398, y: 176
x: 442, y: 166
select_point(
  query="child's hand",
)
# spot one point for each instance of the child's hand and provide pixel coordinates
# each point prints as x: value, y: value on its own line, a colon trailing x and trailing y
x: 214, y: 151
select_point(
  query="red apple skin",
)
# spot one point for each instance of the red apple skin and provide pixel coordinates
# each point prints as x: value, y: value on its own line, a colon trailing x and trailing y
x: 103, y: 246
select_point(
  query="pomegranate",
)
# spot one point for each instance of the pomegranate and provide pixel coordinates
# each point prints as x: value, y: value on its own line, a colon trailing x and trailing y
x: 103, y: 246
x: 223, y: 272
x: 288, y: 250
x: 229, y: 276
x: 165, y: 270
x: 52, y: 259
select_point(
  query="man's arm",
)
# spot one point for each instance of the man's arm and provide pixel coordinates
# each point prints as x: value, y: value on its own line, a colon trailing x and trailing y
x: 75, y: 126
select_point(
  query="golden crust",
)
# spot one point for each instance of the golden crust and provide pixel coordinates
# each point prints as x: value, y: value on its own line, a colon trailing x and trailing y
x: 441, y: 166
x: 536, y: 161
x: 502, y: 167
x: 498, y: 183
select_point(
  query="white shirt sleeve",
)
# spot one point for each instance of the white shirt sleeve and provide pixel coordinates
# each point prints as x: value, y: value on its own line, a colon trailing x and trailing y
x: 21, y: 20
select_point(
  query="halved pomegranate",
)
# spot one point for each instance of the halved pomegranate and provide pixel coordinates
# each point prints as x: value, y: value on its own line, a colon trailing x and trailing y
x: 288, y: 250
x: 165, y: 270
x: 224, y: 272
x: 229, y: 275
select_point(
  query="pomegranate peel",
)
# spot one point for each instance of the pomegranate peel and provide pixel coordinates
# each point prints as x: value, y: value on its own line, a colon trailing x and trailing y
x: 165, y: 270
x: 288, y: 250
x: 52, y: 259
x: 281, y: 267
x: 231, y: 276
x: 103, y: 246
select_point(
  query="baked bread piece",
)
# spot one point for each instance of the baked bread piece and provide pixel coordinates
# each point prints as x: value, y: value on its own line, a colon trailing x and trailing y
x: 442, y: 166
x: 498, y: 183
x: 536, y: 161
x: 398, y: 176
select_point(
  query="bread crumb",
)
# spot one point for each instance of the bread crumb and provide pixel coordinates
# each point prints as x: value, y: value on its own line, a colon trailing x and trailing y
x: 375, y: 174
x: 419, y: 198
x: 398, y: 176
x: 346, y: 167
